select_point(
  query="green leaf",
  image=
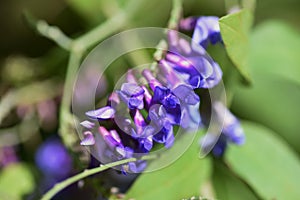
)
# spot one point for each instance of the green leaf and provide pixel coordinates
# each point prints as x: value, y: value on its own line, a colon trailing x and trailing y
x: 249, y: 4
x: 181, y: 179
x: 266, y: 163
x: 273, y: 99
x: 90, y: 10
x: 229, y: 187
x: 16, y: 180
x: 275, y: 48
x: 234, y: 30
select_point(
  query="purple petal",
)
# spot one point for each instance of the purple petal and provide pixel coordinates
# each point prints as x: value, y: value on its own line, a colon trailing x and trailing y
x: 132, y: 89
x: 170, y: 75
x: 207, y: 29
x: 149, y: 130
x: 137, y: 166
x: 88, y: 139
x: 179, y: 60
x: 186, y: 94
x: 147, y: 96
x: 153, y: 82
x: 220, y: 147
x: 125, y: 152
x: 188, y: 24
x: 139, y: 122
x: 190, y: 118
x: 214, y: 79
x: 164, y: 135
x: 87, y: 124
x: 130, y: 77
x: 134, y: 102
x: 157, y: 114
x: 170, y: 140
x: 106, y: 112
x: 202, y: 66
x: 146, y: 143
x: 110, y: 137
x: 195, y: 81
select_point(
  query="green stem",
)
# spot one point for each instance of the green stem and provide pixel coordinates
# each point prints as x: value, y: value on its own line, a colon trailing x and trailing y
x: 88, y: 172
x: 65, y: 115
x: 51, y: 32
x: 100, y: 32
x: 175, y: 14
x: 172, y: 24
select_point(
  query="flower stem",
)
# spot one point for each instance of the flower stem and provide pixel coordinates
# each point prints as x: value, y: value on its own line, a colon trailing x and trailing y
x: 65, y: 116
x: 172, y: 24
x: 175, y: 14
x: 88, y: 172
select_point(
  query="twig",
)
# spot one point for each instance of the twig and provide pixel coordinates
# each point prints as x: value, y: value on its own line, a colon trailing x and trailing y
x: 51, y: 32
x: 88, y: 172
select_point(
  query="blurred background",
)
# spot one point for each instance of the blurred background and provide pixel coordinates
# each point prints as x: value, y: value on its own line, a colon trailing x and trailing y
x: 33, y: 68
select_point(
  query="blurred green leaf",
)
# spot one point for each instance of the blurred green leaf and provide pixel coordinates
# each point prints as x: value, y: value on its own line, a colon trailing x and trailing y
x: 249, y: 4
x: 16, y: 180
x: 266, y: 163
x: 274, y: 65
x: 273, y: 102
x: 275, y: 48
x: 234, y: 29
x: 181, y: 179
x: 229, y: 187
x: 90, y: 10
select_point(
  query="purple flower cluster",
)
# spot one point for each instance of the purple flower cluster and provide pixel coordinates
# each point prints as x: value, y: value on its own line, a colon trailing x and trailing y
x: 137, y: 116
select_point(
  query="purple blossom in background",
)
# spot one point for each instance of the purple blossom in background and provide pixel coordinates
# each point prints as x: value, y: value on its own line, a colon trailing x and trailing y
x: 232, y: 131
x: 53, y: 159
x: 7, y: 156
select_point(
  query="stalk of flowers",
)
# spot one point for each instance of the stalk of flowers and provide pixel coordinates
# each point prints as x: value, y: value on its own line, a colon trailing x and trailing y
x: 138, y: 116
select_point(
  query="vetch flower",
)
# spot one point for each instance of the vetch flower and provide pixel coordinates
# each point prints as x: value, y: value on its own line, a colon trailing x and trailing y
x: 192, y: 63
x: 207, y: 30
x: 199, y: 71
